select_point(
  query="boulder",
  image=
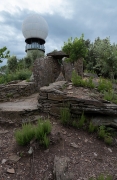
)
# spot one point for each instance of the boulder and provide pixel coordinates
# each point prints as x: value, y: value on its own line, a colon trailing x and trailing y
x: 45, y: 71
x: 67, y: 69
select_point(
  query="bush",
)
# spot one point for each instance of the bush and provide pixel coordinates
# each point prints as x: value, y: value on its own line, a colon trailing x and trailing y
x: 28, y: 132
x: 92, y: 128
x: 104, y: 85
x: 108, y: 140
x: 81, y: 121
x: 18, y: 75
x: 46, y: 141
x: 101, y: 132
x: 78, y: 81
x: 25, y: 135
x: 65, y: 116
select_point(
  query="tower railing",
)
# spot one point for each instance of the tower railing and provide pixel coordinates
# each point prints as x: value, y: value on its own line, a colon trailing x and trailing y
x: 35, y: 46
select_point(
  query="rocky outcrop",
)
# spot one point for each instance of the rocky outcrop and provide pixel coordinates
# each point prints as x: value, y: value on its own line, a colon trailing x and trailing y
x: 67, y: 69
x: 52, y: 99
x: 16, y: 90
x: 45, y: 71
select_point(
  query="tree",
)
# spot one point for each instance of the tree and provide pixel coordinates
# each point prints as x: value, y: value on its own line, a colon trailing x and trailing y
x: 12, y: 64
x: 4, y: 53
x: 75, y: 48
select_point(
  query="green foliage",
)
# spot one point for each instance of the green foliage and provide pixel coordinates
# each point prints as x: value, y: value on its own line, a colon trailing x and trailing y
x: 12, y: 64
x: 110, y: 96
x: 102, y: 177
x: 92, y: 128
x: 81, y: 121
x: 102, y: 132
x: 18, y: 75
x: 104, y: 85
x: 46, y: 141
x: 78, y: 81
x: 28, y: 132
x: 4, y: 53
x: 65, y: 116
x: 108, y: 140
x: 75, y: 48
x: 25, y: 135
x: 28, y: 62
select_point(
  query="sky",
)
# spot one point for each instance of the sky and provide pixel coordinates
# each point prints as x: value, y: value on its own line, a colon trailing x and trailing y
x: 65, y: 19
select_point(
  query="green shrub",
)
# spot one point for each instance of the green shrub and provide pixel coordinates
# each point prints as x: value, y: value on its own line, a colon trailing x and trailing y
x: 24, y: 135
x: 28, y: 132
x: 47, y: 126
x: 104, y: 85
x: 81, y: 121
x: 108, y: 140
x: 92, y: 128
x: 101, y: 132
x: 75, y: 124
x: 78, y: 81
x: 18, y: 75
x: 65, y: 116
x: 46, y: 141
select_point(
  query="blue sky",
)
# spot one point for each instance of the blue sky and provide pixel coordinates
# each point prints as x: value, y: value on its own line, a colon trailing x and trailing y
x: 65, y: 19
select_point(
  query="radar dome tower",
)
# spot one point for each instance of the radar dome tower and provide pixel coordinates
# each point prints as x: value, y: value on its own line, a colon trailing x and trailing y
x: 35, y: 31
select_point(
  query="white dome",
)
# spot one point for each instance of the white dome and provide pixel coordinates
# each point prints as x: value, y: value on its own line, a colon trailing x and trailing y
x: 35, y: 26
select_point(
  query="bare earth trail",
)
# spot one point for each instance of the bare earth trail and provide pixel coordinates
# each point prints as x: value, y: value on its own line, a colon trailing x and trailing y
x: 88, y: 155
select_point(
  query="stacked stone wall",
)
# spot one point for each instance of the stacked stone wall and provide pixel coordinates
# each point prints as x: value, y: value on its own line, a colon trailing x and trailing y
x: 12, y: 91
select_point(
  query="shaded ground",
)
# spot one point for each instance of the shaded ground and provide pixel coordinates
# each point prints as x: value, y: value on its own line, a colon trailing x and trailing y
x: 88, y: 155
x: 90, y: 158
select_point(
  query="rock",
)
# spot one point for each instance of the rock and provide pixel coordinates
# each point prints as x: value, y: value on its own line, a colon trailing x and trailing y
x: 90, y: 75
x: 95, y: 154
x: 61, y: 168
x: 3, y: 131
x: 74, y: 145
x: 3, y: 161
x: 30, y: 150
x: 78, y: 66
x: 11, y: 171
x: 67, y: 70
x: 110, y: 150
x: 14, y: 158
x: 45, y: 71
x: 60, y: 77
x: 105, y: 121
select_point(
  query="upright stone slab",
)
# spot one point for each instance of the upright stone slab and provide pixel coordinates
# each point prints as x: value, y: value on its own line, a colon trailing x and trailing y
x: 45, y: 71
x: 78, y: 66
x: 67, y: 70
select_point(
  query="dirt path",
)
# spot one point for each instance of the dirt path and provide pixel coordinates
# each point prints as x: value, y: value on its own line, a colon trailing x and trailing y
x: 21, y: 104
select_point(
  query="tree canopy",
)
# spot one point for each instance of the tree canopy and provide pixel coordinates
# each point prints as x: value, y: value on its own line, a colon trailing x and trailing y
x: 4, y: 53
x: 75, y: 48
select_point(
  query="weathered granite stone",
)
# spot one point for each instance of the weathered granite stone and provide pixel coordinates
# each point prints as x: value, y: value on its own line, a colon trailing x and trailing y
x: 45, y: 71
x: 105, y: 121
x: 78, y: 66
x: 60, y: 77
x: 67, y: 70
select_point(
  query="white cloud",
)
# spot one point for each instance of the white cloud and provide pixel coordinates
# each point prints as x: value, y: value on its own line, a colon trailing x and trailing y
x: 64, y: 8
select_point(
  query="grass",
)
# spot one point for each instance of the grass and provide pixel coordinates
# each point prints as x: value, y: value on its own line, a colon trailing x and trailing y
x: 91, y: 127
x: 102, y: 177
x: 78, y: 81
x: 104, y: 85
x: 28, y: 132
x: 65, y: 116
x: 25, y: 135
x: 81, y: 121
